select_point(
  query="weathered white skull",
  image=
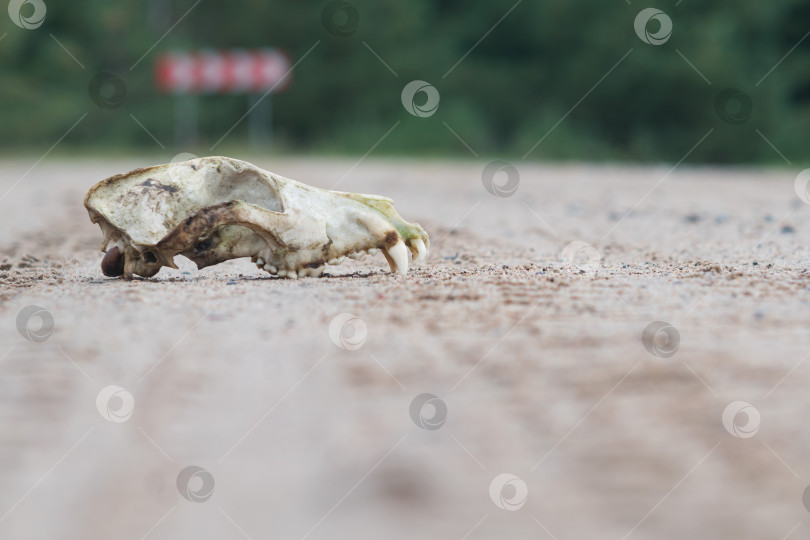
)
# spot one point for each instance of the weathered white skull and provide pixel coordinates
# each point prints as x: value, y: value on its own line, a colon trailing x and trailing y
x: 214, y: 209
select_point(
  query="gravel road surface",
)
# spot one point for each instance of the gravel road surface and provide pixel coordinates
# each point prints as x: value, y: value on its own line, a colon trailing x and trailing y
x: 532, y: 350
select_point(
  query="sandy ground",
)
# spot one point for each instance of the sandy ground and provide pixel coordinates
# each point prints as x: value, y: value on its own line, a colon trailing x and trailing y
x: 538, y: 362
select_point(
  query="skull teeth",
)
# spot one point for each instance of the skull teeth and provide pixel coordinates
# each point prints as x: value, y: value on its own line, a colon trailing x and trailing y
x: 291, y: 274
x: 418, y: 245
x: 311, y: 272
x: 397, y: 257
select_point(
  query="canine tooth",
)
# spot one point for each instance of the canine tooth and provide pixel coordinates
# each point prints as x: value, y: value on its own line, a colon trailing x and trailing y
x: 292, y: 274
x: 260, y: 262
x: 398, y: 257
x: 421, y: 250
x: 270, y: 268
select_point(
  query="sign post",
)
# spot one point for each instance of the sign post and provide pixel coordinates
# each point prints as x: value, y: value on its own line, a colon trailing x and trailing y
x: 256, y: 73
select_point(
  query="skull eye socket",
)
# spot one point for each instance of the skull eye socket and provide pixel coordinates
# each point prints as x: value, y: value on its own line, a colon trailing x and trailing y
x: 150, y: 257
x: 202, y: 245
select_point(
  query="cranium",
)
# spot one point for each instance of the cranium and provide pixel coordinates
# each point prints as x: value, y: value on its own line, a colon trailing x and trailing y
x: 216, y: 208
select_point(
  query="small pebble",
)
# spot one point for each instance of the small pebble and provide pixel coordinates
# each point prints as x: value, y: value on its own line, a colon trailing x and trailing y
x: 691, y: 218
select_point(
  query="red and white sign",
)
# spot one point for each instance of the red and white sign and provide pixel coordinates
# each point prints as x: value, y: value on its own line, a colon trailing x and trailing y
x: 223, y: 72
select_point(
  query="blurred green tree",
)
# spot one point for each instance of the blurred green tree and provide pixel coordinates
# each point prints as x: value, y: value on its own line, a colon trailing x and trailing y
x: 542, y: 80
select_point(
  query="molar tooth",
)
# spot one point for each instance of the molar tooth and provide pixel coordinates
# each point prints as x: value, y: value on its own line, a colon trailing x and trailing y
x: 291, y: 274
x: 336, y: 260
x: 398, y: 257
x: 357, y: 255
x: 373, y: 251
x: 270, y: 268
x: 310, y: 272
x: 421, y: 250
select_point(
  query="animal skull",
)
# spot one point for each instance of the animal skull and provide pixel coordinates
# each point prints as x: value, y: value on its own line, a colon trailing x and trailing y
x: 214, y: 209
